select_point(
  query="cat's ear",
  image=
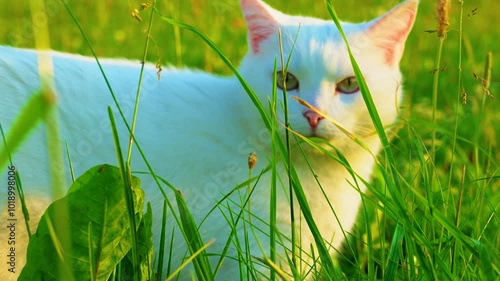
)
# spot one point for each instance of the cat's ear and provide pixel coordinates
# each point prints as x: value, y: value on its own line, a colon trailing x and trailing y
x: 389, y: 32
x: 261, y: 22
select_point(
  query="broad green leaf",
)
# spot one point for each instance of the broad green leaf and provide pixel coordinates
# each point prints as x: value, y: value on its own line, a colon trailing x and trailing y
x: 96, y: 199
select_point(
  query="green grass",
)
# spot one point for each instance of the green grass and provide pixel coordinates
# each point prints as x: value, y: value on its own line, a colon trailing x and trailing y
x: 447, y: 227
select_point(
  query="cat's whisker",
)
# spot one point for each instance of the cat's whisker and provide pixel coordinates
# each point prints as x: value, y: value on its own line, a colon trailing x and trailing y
x: 365, y: 132
x: 327, y: 117
x: 365, y: 129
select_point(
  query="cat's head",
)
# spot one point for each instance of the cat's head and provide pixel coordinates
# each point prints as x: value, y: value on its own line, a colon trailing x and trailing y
x: 320, y: 71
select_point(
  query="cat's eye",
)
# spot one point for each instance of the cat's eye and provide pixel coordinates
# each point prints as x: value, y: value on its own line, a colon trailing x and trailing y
x: 290, y: 82
x: 348, y: 86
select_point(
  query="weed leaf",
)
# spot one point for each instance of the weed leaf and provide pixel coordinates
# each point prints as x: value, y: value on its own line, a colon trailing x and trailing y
x: 96, y: 199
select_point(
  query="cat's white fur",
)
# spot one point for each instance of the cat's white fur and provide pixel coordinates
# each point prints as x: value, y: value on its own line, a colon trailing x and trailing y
x: 197, y: 129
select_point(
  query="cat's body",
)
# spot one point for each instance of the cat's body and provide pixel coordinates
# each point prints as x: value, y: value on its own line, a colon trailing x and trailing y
x: 197, y: 130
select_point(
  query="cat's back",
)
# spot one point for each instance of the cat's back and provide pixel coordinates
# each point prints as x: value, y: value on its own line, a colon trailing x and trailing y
x: 22, y: 68
x: 177, y: 108
x: 85, y: 87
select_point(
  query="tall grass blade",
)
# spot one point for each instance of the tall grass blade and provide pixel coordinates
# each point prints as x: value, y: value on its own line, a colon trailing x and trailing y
x: 324, y: 255
x: 20, y: 190
x: 459, y: 91
x: 391, y: 175
x: 70, y: 163
x: 195, y: 243
x: 327, y: 262
x: 395, y: 253
x: 34, y: 111
x: 485, y: 262
x: 284, y: 69
x: 274, y: 179
x: 139, y: 86
x: 244, y: 84
x: 161, y: 253
x: 372, y: 110
x: 148, y: 165
x: 189, y: 260
x: 127, y: 189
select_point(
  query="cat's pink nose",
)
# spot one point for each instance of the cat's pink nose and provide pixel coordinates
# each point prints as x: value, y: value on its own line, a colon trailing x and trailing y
x: 313, y: 118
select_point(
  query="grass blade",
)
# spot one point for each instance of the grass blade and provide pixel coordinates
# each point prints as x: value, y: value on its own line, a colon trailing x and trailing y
x: 35, y: 111
x: 195, y: 243
x: 139, y: 86
x: 395, y: 253
x: 325, y: 257
x: 127, y: 189
x: 258, y: 105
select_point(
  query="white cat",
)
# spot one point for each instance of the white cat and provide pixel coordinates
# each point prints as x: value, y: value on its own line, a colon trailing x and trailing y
x: 198, y: 129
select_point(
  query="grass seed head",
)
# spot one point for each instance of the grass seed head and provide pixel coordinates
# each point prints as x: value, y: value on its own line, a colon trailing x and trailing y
x: 252, y: 160
x: 443, y: 10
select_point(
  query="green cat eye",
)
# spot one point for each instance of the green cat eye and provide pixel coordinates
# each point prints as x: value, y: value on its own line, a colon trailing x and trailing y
x: 291, y: 82
x: 348, y: 86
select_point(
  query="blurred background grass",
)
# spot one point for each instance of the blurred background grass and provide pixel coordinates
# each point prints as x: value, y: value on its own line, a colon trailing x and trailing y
x: 113, y: 32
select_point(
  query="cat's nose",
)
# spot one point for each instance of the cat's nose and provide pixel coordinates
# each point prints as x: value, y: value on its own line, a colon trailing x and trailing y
x: 313, y: 118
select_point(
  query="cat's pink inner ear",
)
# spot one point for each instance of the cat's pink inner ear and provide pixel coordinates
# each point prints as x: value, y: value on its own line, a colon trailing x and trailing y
x: 390, y: 31
x: 260, y: 21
